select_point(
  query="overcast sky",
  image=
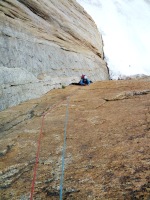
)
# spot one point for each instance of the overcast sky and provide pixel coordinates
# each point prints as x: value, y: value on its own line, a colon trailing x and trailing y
x: 125, y: 28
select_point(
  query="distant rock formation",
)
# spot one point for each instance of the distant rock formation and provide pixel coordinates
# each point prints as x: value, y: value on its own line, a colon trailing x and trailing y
x: 44, y: 45
x: 136, y: 76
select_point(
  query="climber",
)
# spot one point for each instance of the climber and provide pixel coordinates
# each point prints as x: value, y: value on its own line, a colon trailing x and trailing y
x: 84, y: 81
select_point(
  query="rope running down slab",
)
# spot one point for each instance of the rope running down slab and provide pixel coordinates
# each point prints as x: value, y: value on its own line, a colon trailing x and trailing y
x: 38, y: 148
x: 64, y: 150
x: 39, y: 144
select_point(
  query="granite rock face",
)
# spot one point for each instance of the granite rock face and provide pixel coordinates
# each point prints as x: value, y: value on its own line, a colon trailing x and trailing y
x: 46, y: 44
x: 107, y: 146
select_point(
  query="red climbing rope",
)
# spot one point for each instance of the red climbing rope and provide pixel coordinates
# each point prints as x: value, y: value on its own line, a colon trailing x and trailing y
x: 37, y: 159
x: 39, y: 144
x: 38, y: 149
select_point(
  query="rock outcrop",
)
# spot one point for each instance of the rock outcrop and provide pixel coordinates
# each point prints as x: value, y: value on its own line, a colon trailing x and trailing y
x: 107, y: 147
x: 45, y: 44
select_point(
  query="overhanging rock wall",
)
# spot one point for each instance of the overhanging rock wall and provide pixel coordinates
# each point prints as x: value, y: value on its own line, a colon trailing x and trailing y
x: 46, y: 44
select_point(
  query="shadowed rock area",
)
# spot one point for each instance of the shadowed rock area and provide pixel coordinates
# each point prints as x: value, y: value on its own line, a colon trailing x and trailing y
x: 46, y: 44
x: 108, y: 143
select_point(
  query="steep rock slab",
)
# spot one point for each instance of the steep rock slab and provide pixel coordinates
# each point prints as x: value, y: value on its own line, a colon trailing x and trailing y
x: 45, y: 44
x: 107, y: 147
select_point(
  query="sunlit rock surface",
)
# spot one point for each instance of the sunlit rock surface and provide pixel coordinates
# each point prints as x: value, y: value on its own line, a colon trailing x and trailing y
x: 108, y: 137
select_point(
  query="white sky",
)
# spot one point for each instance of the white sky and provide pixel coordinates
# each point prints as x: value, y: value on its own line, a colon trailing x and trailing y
x: 125, y: 28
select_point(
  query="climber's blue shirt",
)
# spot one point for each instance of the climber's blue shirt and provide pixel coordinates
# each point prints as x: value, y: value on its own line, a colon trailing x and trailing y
x: 84, y: 82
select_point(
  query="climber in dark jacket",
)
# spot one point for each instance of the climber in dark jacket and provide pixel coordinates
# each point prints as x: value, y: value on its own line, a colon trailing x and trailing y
x: 84, y: 80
